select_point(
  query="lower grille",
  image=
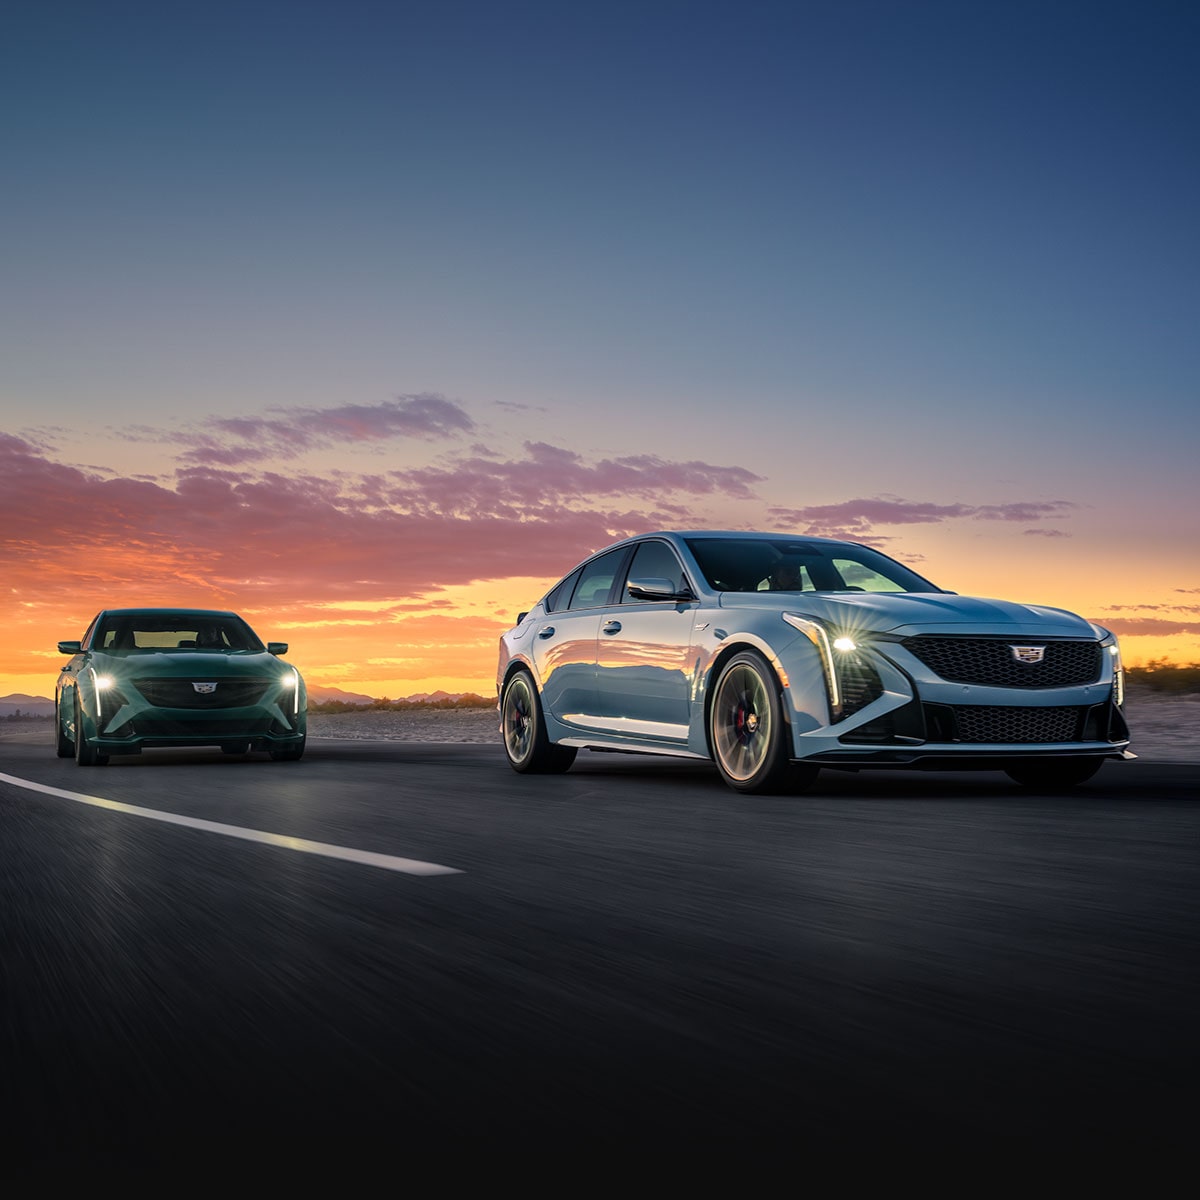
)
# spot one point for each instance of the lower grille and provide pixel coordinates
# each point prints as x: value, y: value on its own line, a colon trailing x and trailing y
x: 979, y: 723
x: 182, y: 693
x: 157, y: 727
x: 916, y: 723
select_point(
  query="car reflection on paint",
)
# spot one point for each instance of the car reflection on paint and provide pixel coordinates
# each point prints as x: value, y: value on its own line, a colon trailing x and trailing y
x: 775, y: 656
x: 144, y: 677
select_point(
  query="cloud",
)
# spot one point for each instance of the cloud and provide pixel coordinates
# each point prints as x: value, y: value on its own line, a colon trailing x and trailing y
x: 1148, y: 626
x: 1167, y: 608
x: 550, y: 476
x: 1050, y: 533
x: 857, y: 518
x: 229, y: 441
x: 239, y: 538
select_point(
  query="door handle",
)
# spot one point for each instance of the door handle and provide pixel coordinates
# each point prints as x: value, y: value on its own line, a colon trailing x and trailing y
x: 612, y: 626
x: 547, y: 632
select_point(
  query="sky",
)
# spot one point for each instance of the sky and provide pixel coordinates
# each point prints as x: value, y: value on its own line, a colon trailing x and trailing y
x: 371, y: 320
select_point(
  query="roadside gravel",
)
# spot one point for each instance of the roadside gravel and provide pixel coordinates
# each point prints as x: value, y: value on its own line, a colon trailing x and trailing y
x: 1165, y: 729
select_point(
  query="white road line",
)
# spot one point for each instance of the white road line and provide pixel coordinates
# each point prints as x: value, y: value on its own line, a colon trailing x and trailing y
x: 410, y: 866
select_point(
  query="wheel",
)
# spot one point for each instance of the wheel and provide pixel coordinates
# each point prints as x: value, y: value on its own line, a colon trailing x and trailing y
x: 747, y: 729
x: 528, y: 748
x: 1054, y: 772
x: 234, y: 747
x: 289, y: 754
x: 63, y: 744
x: 86, y: 755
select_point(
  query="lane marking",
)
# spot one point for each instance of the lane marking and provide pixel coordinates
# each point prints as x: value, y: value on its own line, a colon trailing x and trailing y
x: 369, y: 858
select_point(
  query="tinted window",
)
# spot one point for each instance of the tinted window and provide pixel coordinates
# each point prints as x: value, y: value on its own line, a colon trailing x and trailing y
x: 751, y: 564
x: 864, y: 576
x: 596, y: 580
x: 655, y: 560
x: 175, y: 631
x: 558, y: 596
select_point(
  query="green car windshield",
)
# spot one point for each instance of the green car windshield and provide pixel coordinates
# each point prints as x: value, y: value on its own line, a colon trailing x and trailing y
x: 128, y: 634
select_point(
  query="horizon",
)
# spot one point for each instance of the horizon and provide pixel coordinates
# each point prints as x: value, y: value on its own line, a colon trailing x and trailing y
x: 370, y: 324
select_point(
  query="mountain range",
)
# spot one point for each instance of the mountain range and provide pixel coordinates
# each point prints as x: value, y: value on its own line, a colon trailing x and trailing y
x: 18, y: 702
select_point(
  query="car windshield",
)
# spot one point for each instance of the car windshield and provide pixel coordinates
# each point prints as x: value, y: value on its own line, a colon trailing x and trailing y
x: 128, y: 634
x: 795, y: 565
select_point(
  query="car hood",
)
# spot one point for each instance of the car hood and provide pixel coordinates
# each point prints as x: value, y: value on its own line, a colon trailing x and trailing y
x: 190, y: 664
x: 906, y: 613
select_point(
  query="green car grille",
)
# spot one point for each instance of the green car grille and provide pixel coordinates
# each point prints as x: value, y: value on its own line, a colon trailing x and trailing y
x: 187, y: 693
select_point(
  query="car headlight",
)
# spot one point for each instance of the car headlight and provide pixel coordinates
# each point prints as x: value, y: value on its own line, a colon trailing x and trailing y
x: 817, y: 634
x: 290, y: 682
x: 1113, y: 647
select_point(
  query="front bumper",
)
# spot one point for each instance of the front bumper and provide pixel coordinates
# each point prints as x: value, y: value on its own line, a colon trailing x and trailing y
x: 911, y: 718
x: 264, y: 727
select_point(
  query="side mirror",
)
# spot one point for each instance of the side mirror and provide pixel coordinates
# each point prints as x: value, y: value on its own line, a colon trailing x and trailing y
x: 521, y: 616
x: 277, y: 647
x: 656, y: 589
x: 68, y: 647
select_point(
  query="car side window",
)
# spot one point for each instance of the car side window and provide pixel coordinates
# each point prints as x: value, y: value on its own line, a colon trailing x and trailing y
x: 861, y: 578
x: 596, y: 580
x: 655, y: 560
x: 558, y: 596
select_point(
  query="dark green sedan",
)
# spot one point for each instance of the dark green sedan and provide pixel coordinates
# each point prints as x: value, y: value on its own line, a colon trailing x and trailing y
x: 144, y: 677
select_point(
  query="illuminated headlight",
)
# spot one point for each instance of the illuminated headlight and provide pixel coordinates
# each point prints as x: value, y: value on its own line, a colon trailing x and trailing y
x: 816, y: 634
x: 102, y: 682
x: 845, y: 644
x: 291, y: 683
x: 1113, y: 647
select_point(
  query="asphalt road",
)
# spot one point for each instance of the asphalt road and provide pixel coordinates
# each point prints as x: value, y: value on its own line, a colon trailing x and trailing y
x: 625, y: 960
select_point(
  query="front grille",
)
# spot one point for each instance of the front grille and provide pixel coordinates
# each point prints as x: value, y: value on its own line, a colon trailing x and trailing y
x: 991, y: 662
x: 180, y: 693
x: 157, y: 727
x: 979, y: 723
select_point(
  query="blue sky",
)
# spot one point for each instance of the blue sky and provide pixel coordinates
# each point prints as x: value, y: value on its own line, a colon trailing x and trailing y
x: 939, y: 254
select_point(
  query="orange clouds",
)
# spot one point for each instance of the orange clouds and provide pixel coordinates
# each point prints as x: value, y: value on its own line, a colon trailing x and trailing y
x: 401, y: 580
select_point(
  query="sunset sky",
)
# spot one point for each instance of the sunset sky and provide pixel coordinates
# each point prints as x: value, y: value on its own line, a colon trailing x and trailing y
x: 370, y: 320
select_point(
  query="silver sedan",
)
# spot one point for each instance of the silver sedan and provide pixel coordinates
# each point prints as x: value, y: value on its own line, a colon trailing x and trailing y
x: 776, y: 655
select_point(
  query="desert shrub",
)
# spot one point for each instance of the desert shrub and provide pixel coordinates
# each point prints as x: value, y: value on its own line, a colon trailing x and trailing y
x: 466, y: 700
x: 1161, y: 676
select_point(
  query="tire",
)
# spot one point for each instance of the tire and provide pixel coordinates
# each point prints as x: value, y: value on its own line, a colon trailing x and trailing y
x: 63, y: 745
x: 523, y: 729
x: 1054, y: 773
x: 290, y: 753
x: 748, y: 732
x: 86, y: 755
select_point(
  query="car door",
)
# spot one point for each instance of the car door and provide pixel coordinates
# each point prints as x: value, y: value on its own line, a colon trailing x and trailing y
x: 644, y: 657
x: 564, y: 643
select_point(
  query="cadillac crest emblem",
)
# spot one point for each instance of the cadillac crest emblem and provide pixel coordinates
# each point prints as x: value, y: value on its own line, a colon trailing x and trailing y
x: 1028, y: 654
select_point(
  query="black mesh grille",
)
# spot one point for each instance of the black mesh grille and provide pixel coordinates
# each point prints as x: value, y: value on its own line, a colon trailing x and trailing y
x: 977, y: 723
x: 111, y: 700
x: 182, y: 693
x: 157, y: 727
x: 993, y: 662
x: 859, y: 683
